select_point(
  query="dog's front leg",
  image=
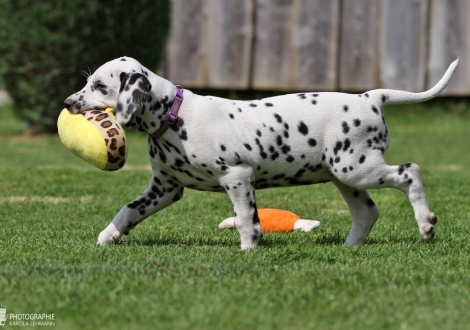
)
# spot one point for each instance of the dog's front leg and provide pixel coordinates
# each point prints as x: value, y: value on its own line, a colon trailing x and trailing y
x: 239, y: 183
x: 152, y: 200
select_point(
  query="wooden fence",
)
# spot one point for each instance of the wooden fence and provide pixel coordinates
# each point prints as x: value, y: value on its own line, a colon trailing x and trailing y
x: 319, y: 45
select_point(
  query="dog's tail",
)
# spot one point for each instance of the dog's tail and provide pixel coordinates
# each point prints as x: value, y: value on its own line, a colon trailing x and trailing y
x: 391, y: 96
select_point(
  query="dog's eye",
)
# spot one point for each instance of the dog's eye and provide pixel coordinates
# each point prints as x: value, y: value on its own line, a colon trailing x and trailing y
x: 99, y: 85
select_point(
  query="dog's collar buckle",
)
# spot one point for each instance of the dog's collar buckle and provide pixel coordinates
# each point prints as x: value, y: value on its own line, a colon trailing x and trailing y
x: 172, y: 115
x: 171, y: 118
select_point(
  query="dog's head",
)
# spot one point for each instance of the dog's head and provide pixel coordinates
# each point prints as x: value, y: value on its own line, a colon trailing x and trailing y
x: 122, y: 84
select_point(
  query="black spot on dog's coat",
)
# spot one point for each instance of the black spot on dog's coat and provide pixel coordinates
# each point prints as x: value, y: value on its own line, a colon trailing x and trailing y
x: 278, y: 118
x: 285, y: 149
x: 346, y: 144
x: 303, y: 129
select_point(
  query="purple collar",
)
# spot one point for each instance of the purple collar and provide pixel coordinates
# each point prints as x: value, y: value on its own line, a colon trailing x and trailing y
x: 172, y: 115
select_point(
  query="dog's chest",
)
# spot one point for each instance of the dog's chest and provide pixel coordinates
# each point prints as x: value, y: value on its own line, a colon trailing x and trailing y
x: 173, y: 165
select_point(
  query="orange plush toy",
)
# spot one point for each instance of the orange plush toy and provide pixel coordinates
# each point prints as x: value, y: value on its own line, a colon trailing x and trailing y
x: 275, y: 220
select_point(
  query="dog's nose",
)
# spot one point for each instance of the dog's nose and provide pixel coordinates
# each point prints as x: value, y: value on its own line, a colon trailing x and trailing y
x: 69, y: 103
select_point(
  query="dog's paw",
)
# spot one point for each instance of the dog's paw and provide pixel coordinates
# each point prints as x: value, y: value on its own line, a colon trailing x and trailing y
x: 109, y: 236
x: 427, y: 230
x: 249, y: 246
x: 252, y: 241
x: 432, y: 218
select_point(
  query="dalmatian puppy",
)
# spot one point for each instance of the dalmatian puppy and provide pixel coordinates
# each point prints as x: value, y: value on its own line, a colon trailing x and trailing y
x: 237, y: 147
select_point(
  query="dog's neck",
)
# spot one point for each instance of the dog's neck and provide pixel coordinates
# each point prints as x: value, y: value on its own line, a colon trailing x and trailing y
x: 150, y: 117
x: 172, y: 116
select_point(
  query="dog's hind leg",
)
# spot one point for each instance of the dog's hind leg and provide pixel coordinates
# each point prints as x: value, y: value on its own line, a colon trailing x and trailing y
x: 374, y: 173
x: 239, y: 182
x: 364, y: 212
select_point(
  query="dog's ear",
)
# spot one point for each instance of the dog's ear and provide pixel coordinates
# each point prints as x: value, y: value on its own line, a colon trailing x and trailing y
x: 133, y: 93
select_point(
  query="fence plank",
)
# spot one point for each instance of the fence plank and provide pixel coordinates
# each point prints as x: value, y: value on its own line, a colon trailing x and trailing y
x: 449, y: 33
x: 272, y: 54
x: 230, y: 41
x: 315, y: 44
x: 403, y: 44
x: 187, y: 45
x: 359, y: 58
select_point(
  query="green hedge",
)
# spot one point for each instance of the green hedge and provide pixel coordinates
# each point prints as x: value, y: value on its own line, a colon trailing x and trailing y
x: 45, y: 44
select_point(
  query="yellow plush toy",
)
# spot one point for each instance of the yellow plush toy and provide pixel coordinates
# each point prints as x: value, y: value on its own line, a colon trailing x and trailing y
x: 95, y: 136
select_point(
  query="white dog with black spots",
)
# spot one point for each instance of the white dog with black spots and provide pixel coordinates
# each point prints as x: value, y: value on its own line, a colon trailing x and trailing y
x: 237, y: 147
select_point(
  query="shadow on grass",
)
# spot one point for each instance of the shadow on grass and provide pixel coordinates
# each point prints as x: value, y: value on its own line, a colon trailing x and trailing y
x: 276, y: 240
x: 409, y: 240
x: 180, y: 241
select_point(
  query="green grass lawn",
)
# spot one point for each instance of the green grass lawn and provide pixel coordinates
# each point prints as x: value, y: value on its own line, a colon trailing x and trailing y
x: 177, y: 270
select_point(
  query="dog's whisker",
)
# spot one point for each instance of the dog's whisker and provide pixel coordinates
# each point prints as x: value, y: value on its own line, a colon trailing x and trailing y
x: 84, y: 73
